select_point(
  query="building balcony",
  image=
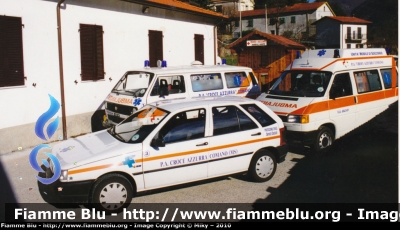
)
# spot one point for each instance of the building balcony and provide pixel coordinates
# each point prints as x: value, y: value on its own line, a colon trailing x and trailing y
x: 355, y: 38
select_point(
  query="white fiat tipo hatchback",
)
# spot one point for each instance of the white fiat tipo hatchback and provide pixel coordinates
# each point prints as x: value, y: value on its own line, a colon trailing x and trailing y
x: 167, y: 143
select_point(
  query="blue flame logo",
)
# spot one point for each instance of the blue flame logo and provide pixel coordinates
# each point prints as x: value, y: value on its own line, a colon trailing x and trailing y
x: 51, y: 129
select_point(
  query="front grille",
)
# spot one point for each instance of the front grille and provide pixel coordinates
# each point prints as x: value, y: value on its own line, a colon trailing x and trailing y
x: 283, y: 118
x: 115, y: 119
x: 121, y: 109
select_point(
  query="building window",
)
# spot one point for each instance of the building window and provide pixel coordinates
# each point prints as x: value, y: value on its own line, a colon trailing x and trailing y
x: 348, y: 46
x: 282, y: 20
x: 218, y: 8
x: 272, y: 31
x: 358, y: 32
x: 236, y: 23
x: 293, y: 19
x: 250, y: 23
x: 92, y: 59
x: 11, y: 55
x: 348, y: 32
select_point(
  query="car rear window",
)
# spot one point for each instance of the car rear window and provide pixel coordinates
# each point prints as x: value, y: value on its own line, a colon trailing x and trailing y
x: 263, y: 118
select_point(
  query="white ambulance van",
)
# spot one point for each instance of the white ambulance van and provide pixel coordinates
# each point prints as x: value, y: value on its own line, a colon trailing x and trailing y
x: 324, y: 94
x: 139, y: 87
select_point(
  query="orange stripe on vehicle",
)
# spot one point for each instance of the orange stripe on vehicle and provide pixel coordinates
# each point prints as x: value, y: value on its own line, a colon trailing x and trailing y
x: 337, y: 60
x: 242, y: 90
x: 207, y: 149
x: 341, y: 102
x: 171, y: 155
x: 89, y: 169
x: 391, y: 92
x: 368, y: 97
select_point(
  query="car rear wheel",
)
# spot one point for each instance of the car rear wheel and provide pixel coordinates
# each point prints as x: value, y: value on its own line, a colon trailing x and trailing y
x: 111, y: 193
x: 262, y: 166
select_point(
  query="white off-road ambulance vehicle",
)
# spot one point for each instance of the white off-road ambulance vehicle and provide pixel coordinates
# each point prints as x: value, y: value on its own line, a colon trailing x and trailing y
x: 324, y: 94
x: 139, y: 87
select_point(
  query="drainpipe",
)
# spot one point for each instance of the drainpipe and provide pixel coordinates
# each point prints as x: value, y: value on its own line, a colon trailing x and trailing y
x: 60, y: 60
x: 215, y: 45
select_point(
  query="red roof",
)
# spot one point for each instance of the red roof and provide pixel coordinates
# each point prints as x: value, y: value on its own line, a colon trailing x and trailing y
x: 299, y: 7
x: 343, y: 19
x: 275, y: 38
x: 177, y: 4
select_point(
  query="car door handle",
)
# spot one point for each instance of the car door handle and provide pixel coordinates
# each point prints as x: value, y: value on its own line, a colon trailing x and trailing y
x: 256, y: 134
x: 205, y: 143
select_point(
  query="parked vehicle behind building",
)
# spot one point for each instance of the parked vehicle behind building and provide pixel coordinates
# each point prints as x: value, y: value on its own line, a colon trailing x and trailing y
x: 137, y: 88
x: 167, y: 143
x: 324, y: 94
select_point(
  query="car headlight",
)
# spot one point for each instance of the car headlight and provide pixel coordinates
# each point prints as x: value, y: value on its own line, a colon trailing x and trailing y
x: 298, y: 119
x: 64, y: 175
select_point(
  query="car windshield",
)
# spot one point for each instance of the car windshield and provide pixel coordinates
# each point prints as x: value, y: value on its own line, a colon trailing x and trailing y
x: 301, y: 84
x: 139, y: 125
x: 134, y: 83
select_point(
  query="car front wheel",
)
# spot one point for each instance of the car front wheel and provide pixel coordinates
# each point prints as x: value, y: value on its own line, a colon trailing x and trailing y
x: 324, y: 140
x: 262, y: 166
x: 111, y: 193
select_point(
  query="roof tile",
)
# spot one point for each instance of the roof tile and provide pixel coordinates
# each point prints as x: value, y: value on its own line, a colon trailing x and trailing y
x: 185, y: 6
x: 299, y: 7
x: 345, y: 19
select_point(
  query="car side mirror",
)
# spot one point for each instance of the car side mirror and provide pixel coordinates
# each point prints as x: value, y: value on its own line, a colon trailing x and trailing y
x: 157, y: 142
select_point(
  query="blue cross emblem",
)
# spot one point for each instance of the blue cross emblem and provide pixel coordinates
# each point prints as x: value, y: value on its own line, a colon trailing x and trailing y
x: 129, y: 161
x: 321, y: 53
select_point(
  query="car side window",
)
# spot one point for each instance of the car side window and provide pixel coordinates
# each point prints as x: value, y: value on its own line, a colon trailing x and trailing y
x: 184, y: 126
x: 204, y: 82
x: 230, y: 119
x: 341, y: 86
x: 263, y: 118
x: 367, y: 81
x: 166, y: 85
x: 387, y: 78
x: 236, y: 79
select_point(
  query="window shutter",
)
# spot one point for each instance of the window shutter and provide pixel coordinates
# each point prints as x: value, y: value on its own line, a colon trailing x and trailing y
x: 99, y: 53
x: 155, y: 47
x: 199, y: 48
x: 11, y: 52
x: 92, y: 58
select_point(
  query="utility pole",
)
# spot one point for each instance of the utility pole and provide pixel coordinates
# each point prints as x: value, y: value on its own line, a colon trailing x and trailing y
x: 266, y: 19
x: 240, y: 18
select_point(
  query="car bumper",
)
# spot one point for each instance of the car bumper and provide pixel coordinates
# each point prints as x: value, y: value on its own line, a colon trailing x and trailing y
x: 301, y: 138
x: 282, y: 152
x: 65, y: 192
